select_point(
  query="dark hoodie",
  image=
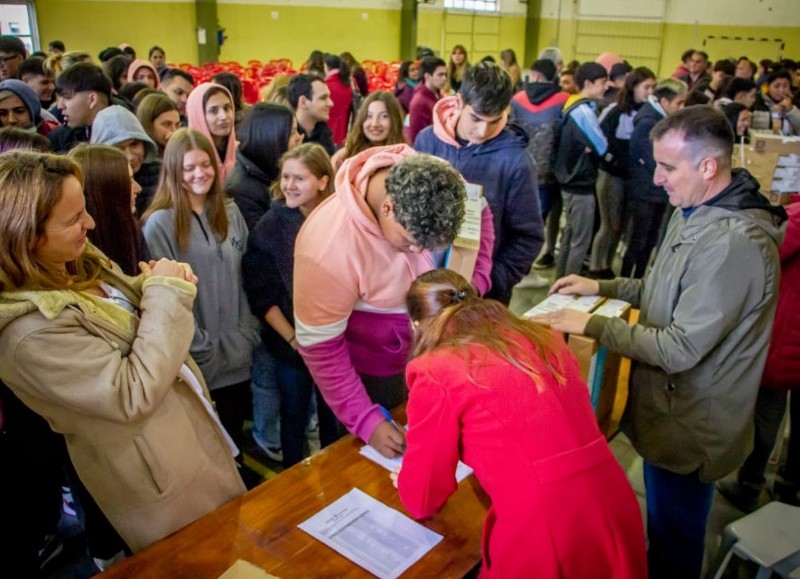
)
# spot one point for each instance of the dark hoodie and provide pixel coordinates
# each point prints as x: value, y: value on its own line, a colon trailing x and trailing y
x: 744, y: 193
x: 538, y: 109
x: 249, y: 186
x: 642, y: 164
x: 31, y: 102
x: 507, y: 173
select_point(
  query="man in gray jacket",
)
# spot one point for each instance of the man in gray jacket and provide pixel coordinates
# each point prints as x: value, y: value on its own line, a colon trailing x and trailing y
x: 700, y: 345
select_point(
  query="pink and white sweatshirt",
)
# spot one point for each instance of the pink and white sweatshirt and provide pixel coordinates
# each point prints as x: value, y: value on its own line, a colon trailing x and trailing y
x: 350, y: 286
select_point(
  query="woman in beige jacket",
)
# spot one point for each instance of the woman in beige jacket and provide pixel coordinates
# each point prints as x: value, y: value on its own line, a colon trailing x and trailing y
x: 104, y: 358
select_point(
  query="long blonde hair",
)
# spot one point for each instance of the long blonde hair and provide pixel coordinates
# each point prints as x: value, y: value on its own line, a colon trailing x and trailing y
x: 172, y: 193
x: 31, y: 184
x: 447, y: 312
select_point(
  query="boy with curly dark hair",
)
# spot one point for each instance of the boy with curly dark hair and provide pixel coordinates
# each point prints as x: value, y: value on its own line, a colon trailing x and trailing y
x: 355, y: 258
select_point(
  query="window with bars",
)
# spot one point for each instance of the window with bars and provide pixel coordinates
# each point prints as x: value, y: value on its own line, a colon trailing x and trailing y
x: 476, y: 5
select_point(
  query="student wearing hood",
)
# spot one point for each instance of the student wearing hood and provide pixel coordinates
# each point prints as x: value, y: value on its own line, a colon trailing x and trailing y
x: 143, y: 71
x: 118, y: 127
x: 211, y: 111
x: 470, y: 131
x: 355, y: 257
x: 20, y: 107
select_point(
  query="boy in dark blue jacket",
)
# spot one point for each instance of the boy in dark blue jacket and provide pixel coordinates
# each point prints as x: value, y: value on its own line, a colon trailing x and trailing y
x: 538, y: 108
x: 471, y: 131
x: 580, y: 149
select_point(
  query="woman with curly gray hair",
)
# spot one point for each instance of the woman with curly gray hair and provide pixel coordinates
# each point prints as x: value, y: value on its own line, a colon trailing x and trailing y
x: 355, y: 257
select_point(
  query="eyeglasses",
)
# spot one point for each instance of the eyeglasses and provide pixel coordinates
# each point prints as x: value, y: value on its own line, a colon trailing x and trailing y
x: 5, y: 59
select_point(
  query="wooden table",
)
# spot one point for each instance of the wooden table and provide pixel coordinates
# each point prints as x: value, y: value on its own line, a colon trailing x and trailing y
x: 261, y: 526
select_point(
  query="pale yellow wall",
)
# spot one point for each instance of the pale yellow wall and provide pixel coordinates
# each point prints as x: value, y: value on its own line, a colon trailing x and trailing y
x: 676, y: 39
x: 93, y: 26
x: 254, y: 33
x: 480, y: 34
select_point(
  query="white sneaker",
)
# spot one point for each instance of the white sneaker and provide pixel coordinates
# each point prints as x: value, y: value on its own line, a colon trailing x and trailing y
x: 104, y: 564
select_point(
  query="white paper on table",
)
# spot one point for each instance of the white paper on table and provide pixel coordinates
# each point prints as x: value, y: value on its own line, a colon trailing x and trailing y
x: 378, y: 538
x: 394, y: 464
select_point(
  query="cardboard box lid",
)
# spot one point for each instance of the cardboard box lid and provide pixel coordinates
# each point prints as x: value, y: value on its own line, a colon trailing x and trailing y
x: 612, y: 309
x: 767, y: 142
x: 557, y: 302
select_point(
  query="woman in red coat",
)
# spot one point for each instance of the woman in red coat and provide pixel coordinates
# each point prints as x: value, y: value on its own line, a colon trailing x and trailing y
x: 337, y: 77
x: 504, y: 395
x: 781, y: 374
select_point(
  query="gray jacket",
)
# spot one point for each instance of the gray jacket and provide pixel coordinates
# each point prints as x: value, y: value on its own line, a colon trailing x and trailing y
x: 225, y: 330
x: 701, y: 342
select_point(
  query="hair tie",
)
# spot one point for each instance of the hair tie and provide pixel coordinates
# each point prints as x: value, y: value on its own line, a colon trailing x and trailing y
x: 459, y: 296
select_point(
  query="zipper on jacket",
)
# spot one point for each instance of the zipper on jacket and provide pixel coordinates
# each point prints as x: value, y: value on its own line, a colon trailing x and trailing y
x: 208, y: 239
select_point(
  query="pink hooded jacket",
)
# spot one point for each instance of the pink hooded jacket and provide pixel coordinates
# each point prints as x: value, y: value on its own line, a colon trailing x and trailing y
x: 136, y: 65
x: 350, y: 286
x: 195, y: 111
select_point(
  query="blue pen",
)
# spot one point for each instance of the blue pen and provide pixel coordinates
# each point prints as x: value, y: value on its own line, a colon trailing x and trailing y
x: 388, y: 416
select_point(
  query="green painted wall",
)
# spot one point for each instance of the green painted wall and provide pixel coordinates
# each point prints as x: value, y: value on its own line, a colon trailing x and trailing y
x: 254, y: 33
x: 93, y: 26
x: 676, y: 38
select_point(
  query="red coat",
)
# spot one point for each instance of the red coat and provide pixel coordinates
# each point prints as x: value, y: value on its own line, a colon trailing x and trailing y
x: 342, y: 96
x: 561, y: 505
x: 782, y: 369
x: 420, y: 111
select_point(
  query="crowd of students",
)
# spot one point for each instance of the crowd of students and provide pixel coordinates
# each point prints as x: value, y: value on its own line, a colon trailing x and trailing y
x: 261, y: 258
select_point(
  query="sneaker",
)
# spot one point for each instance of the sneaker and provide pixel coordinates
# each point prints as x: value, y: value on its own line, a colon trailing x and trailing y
x: 312, y: 433
x: 533, y: 281
x: 273, y: 452
x: 51, y: 548
x: 104, y: 564
x: 786, y: 491
x: 546, y: 261
x: 743, y: 496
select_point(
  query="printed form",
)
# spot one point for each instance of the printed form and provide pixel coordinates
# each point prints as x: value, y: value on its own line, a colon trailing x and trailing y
x: 378, y: 538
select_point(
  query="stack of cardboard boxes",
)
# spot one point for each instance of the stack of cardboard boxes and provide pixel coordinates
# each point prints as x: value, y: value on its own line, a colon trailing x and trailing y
x: 606, y: 373
x: 774, y: 160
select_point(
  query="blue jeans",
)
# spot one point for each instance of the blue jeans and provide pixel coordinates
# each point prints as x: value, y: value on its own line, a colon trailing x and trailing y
x: 678, y: 506
x: 266, y: 399
x: 296, y: 387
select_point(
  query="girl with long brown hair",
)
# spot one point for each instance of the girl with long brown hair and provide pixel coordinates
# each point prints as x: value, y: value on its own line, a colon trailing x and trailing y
x: 378, y: 122
x: 191, y: 219
x: 110, y: 191
x: 505, y: 396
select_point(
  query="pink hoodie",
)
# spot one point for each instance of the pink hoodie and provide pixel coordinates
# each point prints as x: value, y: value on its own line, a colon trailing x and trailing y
x: 136, y: 65
x: 195, y: 112
x: 350, y: 286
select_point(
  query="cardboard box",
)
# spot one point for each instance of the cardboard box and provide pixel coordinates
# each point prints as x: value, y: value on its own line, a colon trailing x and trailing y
x: 778, y: 173
x: 767, y: 142
x: 462, y: 255
x: 606, y: 373
x: 601, y: 368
